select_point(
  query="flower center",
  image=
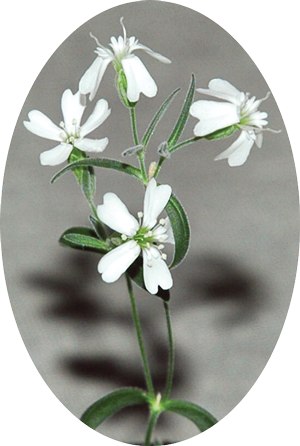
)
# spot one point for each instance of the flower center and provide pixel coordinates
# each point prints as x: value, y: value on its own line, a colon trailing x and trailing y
x: 72, y: 134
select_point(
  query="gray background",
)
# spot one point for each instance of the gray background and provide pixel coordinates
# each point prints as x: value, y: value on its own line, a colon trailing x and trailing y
x: 232, y: 292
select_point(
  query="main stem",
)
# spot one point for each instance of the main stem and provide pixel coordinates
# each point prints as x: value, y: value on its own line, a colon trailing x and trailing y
x: 151, y: 425
x: 138, y: 329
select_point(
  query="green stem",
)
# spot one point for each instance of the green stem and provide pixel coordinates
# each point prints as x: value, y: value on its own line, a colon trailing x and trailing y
x: 151, y: 425
x: 171, y: 354
x: 134, y: 126
x: 185, y: 143
x: 138, y: 329
x: 141, y: 153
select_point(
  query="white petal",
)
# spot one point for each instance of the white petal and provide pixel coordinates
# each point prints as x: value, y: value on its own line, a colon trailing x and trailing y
x: 90, y: 81
x: 115, y: 214
x: 138, y: 79
x: 116, y: 262
x: 72, y: 108
x: 42, y: 126
x: 92, y: 145
x: 238, y: 152
x: 213, y: 116
x: 222, y: 89
x: 259, y: 139
x: 57, y: 155
x: 140, y: 46
x: 98, y: 116
x: 156, y: 199
x: 156, y: 275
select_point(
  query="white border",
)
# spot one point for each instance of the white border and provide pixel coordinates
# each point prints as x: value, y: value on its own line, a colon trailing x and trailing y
x: 270, y: 35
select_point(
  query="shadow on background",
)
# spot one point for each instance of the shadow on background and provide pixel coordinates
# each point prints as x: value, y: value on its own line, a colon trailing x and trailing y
x: 220, y: 282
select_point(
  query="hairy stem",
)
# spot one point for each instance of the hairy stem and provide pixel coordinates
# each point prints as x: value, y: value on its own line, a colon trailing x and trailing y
x: 151, y: 425
x: 138, y: 329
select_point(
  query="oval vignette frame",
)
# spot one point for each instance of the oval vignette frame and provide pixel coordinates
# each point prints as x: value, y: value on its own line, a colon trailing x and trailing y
x: 74, y: 422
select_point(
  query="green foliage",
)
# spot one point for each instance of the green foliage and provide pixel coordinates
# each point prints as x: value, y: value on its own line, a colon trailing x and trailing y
x: 150, y: 130
x: 112, y: 403
x: 199, y: 416
x: 184, y: 114
x: 102, y: 162
x: 84, y: 175
x: 83, y: 239
x: 181, y: 229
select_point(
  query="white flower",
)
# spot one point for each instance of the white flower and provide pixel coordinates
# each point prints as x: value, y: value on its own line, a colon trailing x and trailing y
x: 239, y: 110
x: 146, y: 237
x: 69, y: 133
x: 121, y: 54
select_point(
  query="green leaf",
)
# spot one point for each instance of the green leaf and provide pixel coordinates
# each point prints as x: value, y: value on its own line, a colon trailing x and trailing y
x: 199, y: 416
x: 223, y: 133
x: 112, y: 403
x: 183, y: 117
x: 150, y: 130
x: 98, y: 228
x: 102, y: 162
x: 83, y: 239
x: 181, y: 229
x: 135, y: 272
x: 85, y: 175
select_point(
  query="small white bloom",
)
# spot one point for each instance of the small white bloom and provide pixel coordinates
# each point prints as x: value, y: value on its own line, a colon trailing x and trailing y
x: 69, y: 133
x: 239, y: 110
x: 121, y: 54
x: 146, y: 237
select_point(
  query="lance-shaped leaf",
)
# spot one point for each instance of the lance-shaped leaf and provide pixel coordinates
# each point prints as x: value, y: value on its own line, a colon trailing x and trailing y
x: 183, y: 117
x: 98, y: 227
x: 85, y: 175
x: 199, y: 416
x: 102, y: 162
x: 150, y: 130
x: 112, y: 403
x: 181, y: 229
x: 84, y: 239
x: 135, y: 272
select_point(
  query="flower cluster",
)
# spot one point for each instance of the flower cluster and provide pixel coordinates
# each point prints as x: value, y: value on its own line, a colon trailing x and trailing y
x: 146, y: 235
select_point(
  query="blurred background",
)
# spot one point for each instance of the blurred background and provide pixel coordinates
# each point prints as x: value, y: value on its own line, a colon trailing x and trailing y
x: 231, y: 294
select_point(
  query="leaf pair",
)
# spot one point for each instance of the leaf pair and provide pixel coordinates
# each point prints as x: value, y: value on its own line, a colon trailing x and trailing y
x: 105, y: 407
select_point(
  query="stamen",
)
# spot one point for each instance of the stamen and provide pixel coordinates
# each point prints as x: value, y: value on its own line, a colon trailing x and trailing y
x: 164, y: 256
x: 124, y: 29
x: 161, y: 246
x: 124, y: 237
x: 74, y: 121
x: 150, y: 264
x: 140, y: 214
x: 62, y: 125
x: 149, y: 234
x: 162, y: 221
x: 96, y: 40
